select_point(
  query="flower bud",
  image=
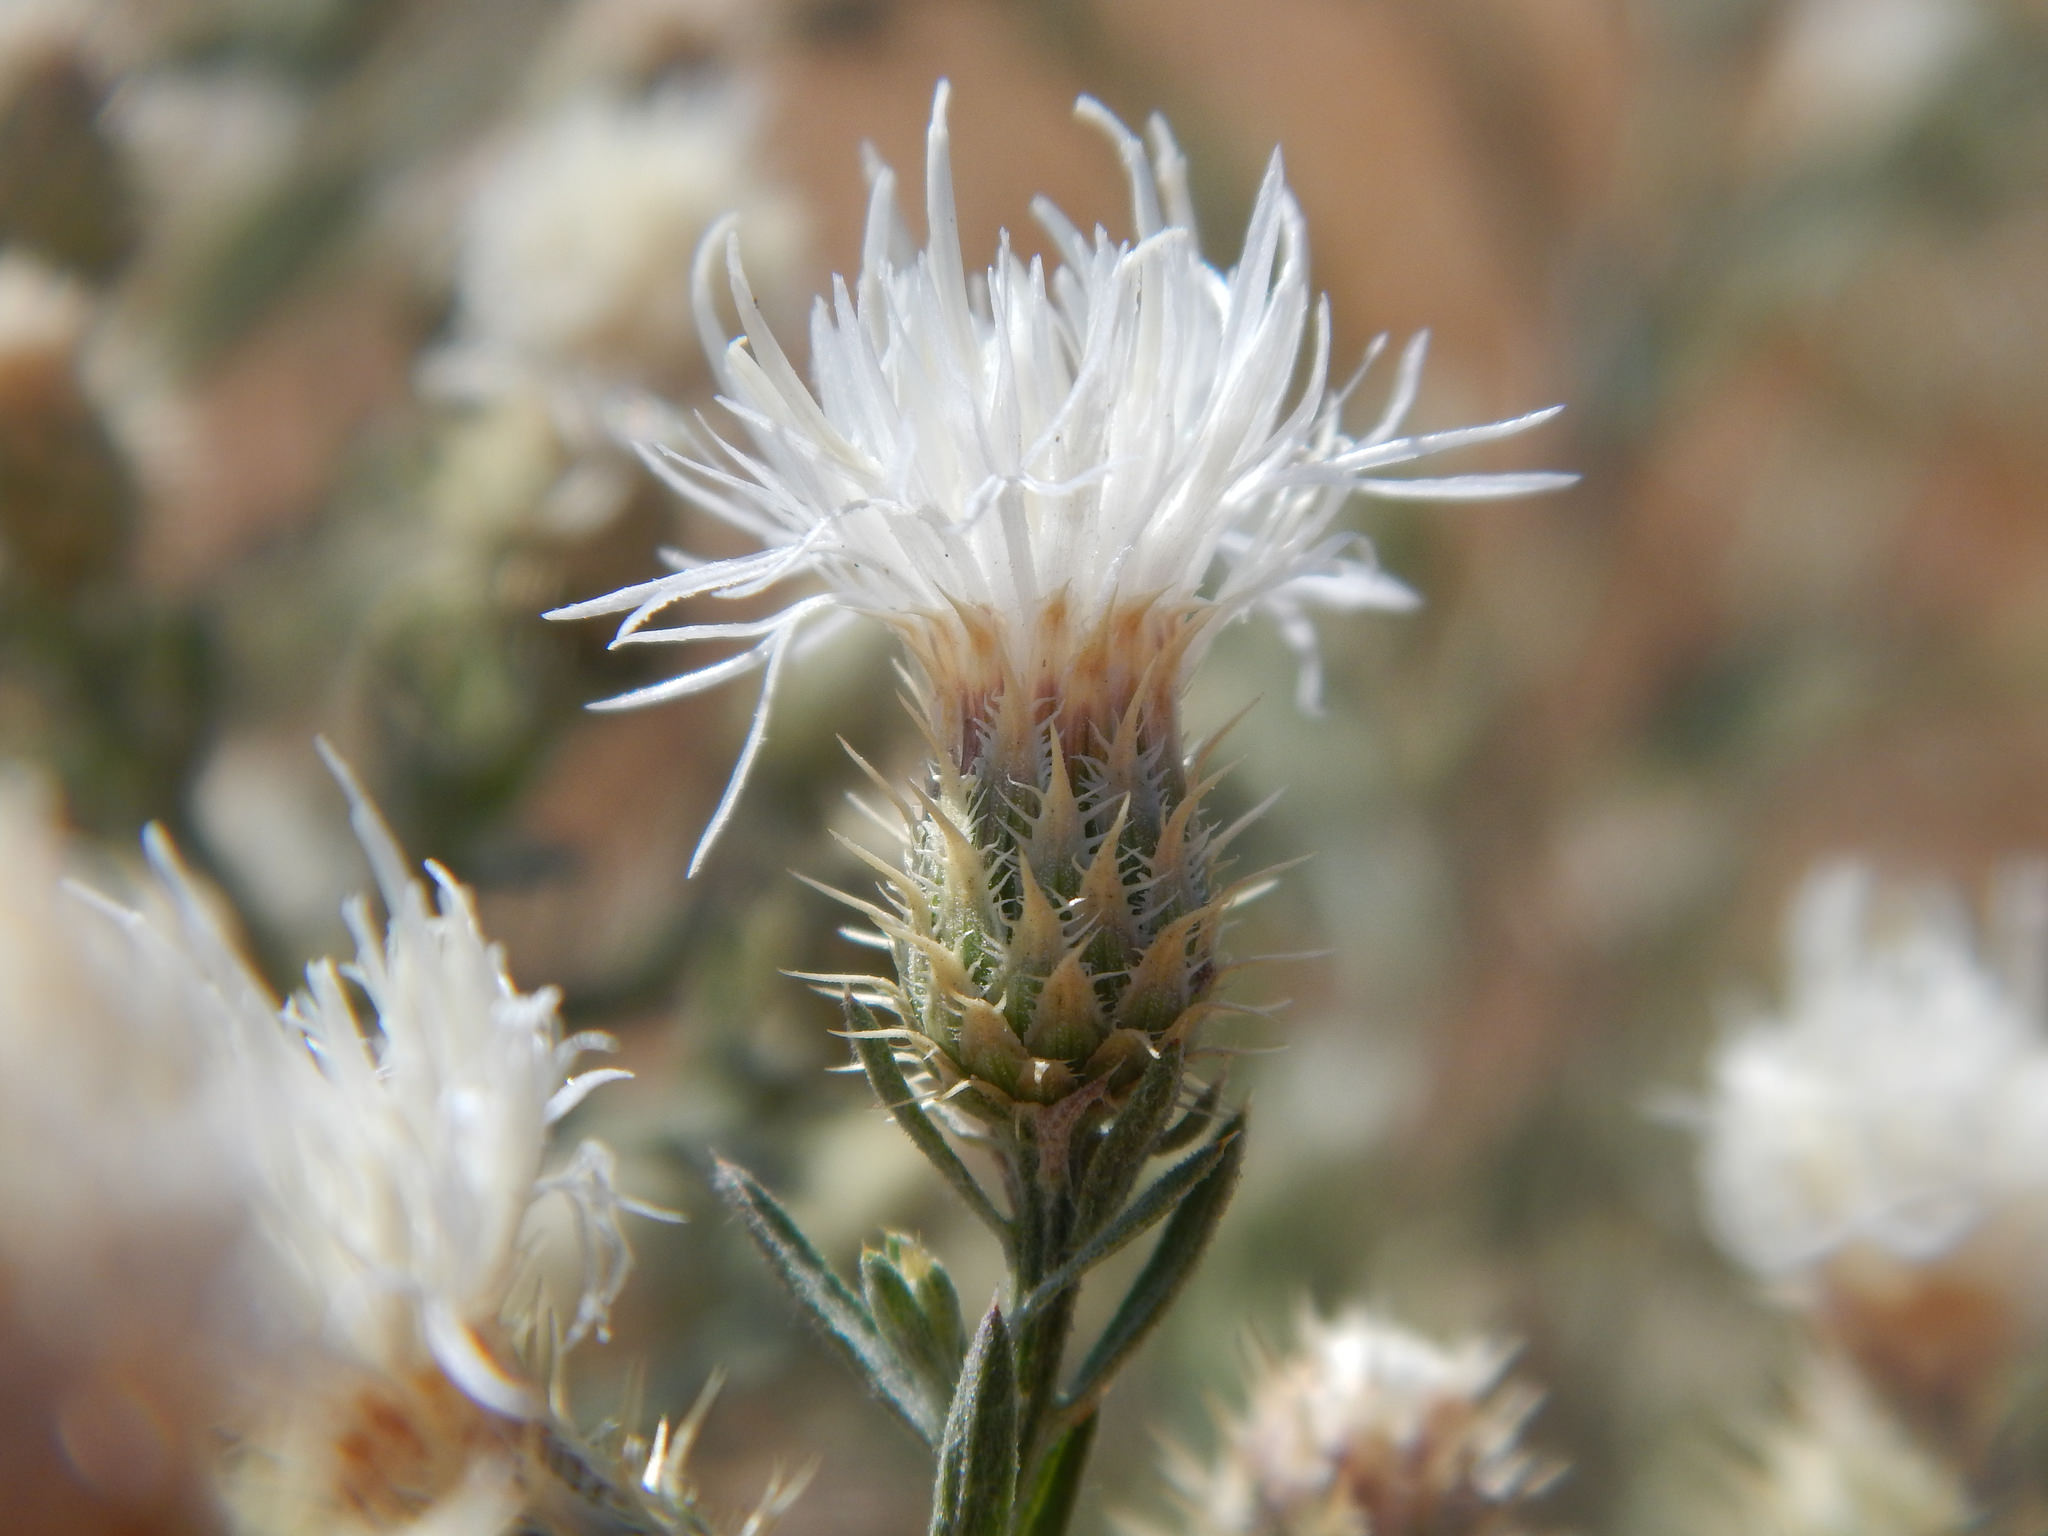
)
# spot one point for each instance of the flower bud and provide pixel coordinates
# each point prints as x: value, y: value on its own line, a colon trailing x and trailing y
x: 1045, y: 910
x: 916, y: 1309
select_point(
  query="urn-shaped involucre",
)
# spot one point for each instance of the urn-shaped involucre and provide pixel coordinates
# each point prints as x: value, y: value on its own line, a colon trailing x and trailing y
x: 1054, y: 926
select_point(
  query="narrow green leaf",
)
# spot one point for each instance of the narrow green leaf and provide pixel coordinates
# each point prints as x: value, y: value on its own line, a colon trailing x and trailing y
x: 976, y: 1486
x: 839, y: 1314
x: 1188, y: 1129
x: 941, y: 1304
x: 1049, y: 1506
x: 878, y: 1056
x: 1166, y: 1271
x: 1121, y: 1155
x: 1153, y: 1203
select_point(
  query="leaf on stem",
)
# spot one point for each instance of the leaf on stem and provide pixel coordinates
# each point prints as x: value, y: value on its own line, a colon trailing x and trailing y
x: 1166, y: 1271
x: 1188, y: 1129
x: 1158, y: 1198
x: 1048, y: 1507
x: 878, y: 1056
x: 831, y: 1304
x: 977, y: 1481
x: 1122, y: 1153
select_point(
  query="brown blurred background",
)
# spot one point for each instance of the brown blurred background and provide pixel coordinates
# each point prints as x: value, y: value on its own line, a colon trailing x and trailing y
x: 317, y: 318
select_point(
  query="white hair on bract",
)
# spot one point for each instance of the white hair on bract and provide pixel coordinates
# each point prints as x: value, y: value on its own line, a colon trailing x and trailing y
x: 999, y: 468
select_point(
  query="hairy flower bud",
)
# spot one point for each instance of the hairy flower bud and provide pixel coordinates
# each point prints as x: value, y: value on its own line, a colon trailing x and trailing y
x: 1055, y: 924
x: 916, y: 1310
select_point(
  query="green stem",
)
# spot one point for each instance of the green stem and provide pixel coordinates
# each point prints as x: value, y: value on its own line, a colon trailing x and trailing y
x: 1045, y: 1239
x: 1043, y: 1347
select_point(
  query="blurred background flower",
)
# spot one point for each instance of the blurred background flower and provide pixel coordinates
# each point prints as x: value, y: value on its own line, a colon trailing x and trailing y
x: 1363, y: 1426
x: 319, y: 324
x: 1875, y: 1154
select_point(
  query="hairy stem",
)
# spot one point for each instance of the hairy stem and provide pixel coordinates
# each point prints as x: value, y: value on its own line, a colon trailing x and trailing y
x: 1045, y: 1240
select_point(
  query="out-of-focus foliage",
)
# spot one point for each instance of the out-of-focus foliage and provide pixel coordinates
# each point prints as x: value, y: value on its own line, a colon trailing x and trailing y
x: 320, y: 321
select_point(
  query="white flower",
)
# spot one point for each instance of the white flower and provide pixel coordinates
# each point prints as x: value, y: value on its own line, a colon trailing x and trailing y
x: 1898, y: 1104
x: 395, y: 1157
x: 573, y: 300
x: 122, y: 1190
x: 1041, y: 475
x: 575, y: 248
x: 1366, y: 1426
x: 1836, y: 1465
x: 1879, y: 1154
x: 43, y: 318
x: 103, y: 1073
x: 405, y: 1152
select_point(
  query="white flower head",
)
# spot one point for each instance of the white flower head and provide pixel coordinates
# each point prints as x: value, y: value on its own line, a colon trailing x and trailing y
x: 574, y: 252
x: 1366, y: 1426
x: 1879, y: 1153
x: 395, y: 1118
x: 122, y: 1206
x: 406, y: 1151
x: 1054, y: 484
x: 1900, y: 1101
x: 44, y: 315
x: 572, y: 297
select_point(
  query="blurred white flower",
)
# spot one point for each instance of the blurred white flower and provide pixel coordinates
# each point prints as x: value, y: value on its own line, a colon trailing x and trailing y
x: 573, y: 297
x: 203, y: 142
x: 1368, y: 1428
x: 1879, y: 1151
x: 1843, y: 78
x: 1900, y: 1100
x: 122, y: 1190
x: 1837, y: 1465
x: 1049, y: 483
x: 394, y: 1119
x: 44, y: 315
x: 575, y: 251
